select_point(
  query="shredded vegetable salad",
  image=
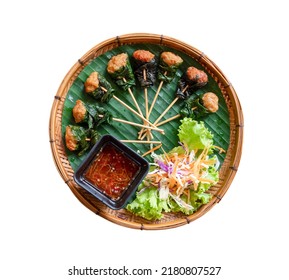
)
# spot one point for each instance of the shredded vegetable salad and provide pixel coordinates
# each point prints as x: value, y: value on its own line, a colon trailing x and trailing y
x: 176, y: 174
x: 179, y: 180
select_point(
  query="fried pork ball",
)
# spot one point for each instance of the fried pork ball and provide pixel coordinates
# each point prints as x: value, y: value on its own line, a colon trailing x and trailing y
x: 171, y: 59
x: 210, y: 101
x: 71, y: 142
x: 196, y: 75
x: 117, y: 62
x: 92, y: 82
x: 79, y: 111
x: 143, y: 55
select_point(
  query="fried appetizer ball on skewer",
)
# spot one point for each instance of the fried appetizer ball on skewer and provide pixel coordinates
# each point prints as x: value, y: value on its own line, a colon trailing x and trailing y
x: 92, y: 82
x: 168, y: 66
x: 92, y: 115
x: 145, y: 67
x: 210, y: 101
x: 98, y: 87
x: 190, y: 81
x: 79, y: 112
x: 119, y: 68
x: 72, y: 141
x: 200, y: 107
x: 78, y: 139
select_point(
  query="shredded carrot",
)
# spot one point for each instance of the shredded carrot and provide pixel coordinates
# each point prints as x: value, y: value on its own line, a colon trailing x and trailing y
x: 182, y: 172
x: 220, y: 149
x: 152, y: 150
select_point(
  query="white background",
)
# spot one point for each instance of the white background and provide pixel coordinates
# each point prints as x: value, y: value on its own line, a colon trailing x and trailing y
x: 45, y: 230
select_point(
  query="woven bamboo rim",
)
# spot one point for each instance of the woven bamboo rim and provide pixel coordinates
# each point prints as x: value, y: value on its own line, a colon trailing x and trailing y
x: 123, y: 217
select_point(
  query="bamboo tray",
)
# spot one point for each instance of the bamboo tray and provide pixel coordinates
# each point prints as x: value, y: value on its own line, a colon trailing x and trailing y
x: 233, y: 152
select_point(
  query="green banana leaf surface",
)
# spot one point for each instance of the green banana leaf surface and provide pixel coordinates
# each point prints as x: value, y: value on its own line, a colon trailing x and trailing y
x: 218, y: 123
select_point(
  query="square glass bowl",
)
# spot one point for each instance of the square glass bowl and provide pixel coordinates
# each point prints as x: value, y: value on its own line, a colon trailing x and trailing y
x: 111, y: 172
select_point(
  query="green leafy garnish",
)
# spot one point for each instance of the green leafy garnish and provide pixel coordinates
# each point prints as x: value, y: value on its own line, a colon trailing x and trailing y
x: 180, y: 179
x: 194, y: 134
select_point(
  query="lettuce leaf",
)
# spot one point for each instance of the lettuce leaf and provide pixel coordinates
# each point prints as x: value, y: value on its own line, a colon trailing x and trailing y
x: 148, y: 205
x: 198, y: 197
x: 212, y: 174
x: 194, y: 134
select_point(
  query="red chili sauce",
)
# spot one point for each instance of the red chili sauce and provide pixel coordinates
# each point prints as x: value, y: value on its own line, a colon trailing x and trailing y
x: 111, y: 171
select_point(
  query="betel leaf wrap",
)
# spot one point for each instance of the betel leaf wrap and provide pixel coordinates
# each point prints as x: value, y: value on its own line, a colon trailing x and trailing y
x: 124, y: 77
x: 84, y: 138
x: 104, y: 92
x: 85, y: 118
x: 89, y: 120
x: 93, y: 136
x: 80, y: 137
x: 167, y: 72
x: 193, y: 108
x: 151, y: 72
x: 91, y: 114
x: 98, y: 114
x: 187, y: 87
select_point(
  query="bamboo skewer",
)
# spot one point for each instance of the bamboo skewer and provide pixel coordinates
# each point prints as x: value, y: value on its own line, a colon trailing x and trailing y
x: 133, y: 98
x: 152, y: 150
x: 168, y: 120
x: 131, y: 93
x: 148, y: 132
x: 172, y: 118
x: 164, y: 112
x: 135, y: 141
x: 136, y: 124
x: 169, y: 107
x: 146, y: 95
x: 132, y: 110
x: 141, y: 141
x: 152, y: 105
x: 156, y: 96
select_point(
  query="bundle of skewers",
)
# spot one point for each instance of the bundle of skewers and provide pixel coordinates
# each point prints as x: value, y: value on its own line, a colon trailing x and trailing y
x: 144, y: 71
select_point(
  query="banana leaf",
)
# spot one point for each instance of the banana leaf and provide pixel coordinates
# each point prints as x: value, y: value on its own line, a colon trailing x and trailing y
x: 218, y: 123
